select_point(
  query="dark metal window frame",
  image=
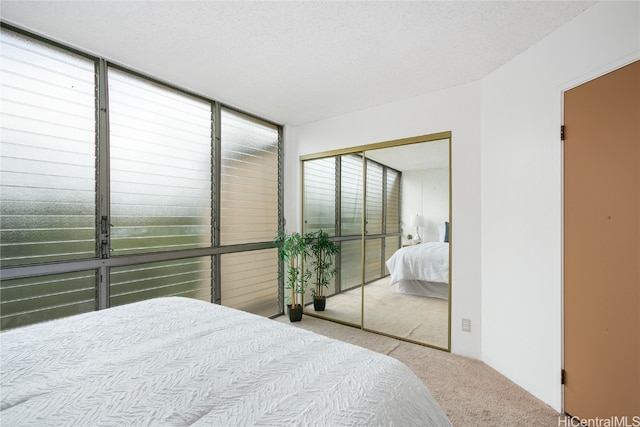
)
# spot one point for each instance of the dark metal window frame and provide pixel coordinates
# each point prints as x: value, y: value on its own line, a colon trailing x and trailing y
x: 103, y: 261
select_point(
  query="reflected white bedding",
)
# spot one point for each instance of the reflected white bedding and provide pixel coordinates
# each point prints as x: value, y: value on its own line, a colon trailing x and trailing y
x: 423, y: 289
x: 178, y: 361
x: 427, y: 261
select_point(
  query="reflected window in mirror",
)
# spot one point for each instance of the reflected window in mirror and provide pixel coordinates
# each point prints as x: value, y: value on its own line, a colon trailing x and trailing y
x: 320, y: 195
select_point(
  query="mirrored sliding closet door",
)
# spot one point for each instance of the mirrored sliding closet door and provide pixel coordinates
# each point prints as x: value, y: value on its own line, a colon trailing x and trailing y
x: 387, y: 207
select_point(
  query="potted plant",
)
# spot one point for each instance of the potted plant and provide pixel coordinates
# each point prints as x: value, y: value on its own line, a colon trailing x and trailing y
x: 322, y: 250
x: 293, y: 251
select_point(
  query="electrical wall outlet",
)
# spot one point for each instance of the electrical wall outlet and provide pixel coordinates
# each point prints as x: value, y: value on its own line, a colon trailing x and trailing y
x: 466, y: 325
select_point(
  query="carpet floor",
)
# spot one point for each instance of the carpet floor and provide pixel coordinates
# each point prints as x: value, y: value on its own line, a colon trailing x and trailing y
x: 418, y: 318
x: 470, y: 392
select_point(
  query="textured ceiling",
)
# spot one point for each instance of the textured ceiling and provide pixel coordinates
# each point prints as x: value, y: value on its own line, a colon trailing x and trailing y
x: 298, y: 62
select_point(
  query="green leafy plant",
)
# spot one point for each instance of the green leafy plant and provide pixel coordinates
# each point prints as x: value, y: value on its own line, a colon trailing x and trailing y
x: 322, y: 250
x: 293, y: 251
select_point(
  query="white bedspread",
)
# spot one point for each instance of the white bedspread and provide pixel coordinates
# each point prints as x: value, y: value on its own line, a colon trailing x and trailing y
x: 178, y: 361
x: 427, y: 262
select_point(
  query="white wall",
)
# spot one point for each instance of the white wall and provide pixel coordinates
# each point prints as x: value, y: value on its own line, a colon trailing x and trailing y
x: 425, y: 192
x: 455, y: 110
x: 522, y: 190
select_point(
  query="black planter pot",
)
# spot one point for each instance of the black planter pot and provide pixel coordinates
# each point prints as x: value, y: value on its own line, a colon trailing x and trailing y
x: 295, y: 313
x: 319, y: 303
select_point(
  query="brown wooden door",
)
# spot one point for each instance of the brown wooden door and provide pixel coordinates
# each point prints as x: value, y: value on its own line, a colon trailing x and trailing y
x: 602, y: 247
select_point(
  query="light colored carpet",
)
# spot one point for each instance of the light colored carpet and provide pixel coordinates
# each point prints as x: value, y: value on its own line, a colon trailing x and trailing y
x: 418, y: 318
x: 470, y: 392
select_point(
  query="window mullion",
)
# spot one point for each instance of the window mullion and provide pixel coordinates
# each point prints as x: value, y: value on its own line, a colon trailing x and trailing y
x: 103, y: 226
x: 216, y: 165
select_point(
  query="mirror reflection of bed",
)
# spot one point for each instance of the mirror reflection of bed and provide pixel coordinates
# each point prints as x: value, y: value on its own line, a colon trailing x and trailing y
x: 411, y: 302
x: 419, y: 276
x: 409, y: 295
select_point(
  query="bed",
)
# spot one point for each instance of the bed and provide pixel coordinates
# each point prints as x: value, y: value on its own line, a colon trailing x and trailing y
x: 178, y: 361
x: 421, y: 269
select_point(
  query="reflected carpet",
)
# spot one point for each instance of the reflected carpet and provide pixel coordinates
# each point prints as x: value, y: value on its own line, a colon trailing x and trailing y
x: 414, y: 317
